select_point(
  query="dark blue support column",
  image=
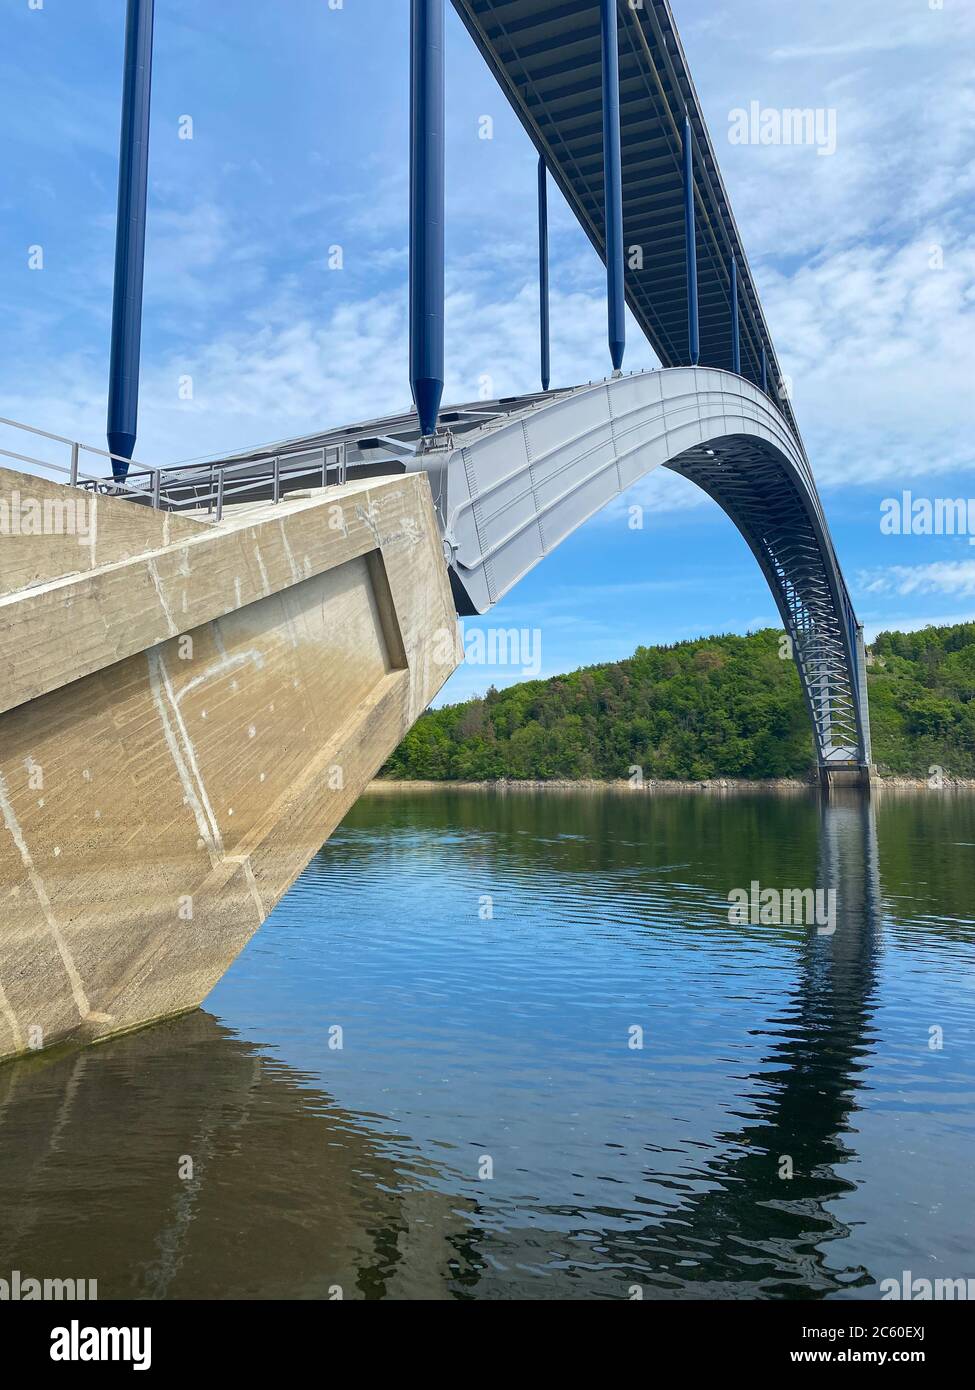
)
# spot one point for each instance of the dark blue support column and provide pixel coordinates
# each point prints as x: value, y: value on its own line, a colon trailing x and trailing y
x: 613, y: 176
x: 765, y: 371
x: 543, y: 308
x: 427, y: 211
x: 130, y: 235
x: 690, y: 233
x: 735, y: 326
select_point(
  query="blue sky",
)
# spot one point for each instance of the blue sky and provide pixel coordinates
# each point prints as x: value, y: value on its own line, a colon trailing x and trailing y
x: 300, y: 143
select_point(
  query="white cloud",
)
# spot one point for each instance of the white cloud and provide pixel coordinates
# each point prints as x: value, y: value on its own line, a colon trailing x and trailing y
x: 939, y: 577
x: 282, y: 373
x: 879, y: 342
x: 661, y: 493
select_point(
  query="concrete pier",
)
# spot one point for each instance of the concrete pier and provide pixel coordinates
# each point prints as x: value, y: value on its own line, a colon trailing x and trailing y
x: 187, y: 710
x: 842, y: 780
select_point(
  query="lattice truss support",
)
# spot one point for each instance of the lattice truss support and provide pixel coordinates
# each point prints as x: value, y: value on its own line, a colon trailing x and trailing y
x: 752, y: 486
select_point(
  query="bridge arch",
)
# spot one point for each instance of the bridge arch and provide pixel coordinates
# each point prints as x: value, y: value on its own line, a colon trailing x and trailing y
x: 516, y: 487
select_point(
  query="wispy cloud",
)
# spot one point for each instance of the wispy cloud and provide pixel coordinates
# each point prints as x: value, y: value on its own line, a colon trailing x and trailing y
x: 939, y: 577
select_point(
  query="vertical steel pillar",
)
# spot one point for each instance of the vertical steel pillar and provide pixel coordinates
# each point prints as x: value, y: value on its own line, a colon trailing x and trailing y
x: 130, y: 235
x: 613, y: 180
x: 735, y: 326
x: 427, y: 211
x: 543, y: 305
x: 690, y: 234
x: 765, y: 371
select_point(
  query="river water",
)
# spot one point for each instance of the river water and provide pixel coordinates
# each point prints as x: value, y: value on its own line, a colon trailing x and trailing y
x: 511, y: 1046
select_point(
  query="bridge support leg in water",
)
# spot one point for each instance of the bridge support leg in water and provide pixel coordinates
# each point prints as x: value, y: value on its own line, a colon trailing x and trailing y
x: 130, y: 236
x: 847, y: 780
x: 427, y: 211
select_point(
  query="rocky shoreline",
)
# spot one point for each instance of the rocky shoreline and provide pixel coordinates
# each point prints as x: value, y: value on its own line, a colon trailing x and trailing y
x: 776, y: 785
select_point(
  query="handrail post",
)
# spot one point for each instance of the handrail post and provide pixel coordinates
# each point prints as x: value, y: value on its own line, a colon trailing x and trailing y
x: 277, y: 481
x: 427, y: 211
x: 210, y: 493
x: 220, y: 478
x: 543, y: 283
x: 690, y: 233
x: 75, y: 449
x: 130, y: 237
x: 613, y: 182
x: 735, y: 327
x: 156, y: 487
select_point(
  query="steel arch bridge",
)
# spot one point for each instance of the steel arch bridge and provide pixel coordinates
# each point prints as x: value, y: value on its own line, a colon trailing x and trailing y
x: 512, y: 479
x: 603, y: 91
x: 516, y: 487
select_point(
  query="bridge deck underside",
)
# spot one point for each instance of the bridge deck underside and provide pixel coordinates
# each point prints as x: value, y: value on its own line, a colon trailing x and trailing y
x: 547, y: 59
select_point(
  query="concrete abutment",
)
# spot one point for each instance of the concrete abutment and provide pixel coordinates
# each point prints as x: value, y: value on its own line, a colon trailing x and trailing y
x: 187, y: 711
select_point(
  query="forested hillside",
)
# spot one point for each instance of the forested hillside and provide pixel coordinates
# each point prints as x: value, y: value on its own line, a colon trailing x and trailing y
x: 922, y: 700
x: 718, y: 707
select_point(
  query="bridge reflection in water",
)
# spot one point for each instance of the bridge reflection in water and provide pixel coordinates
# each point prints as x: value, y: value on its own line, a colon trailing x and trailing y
x: 292, y: 1194
x: 728, y: 1225
x: 289, y: 1196
x: 802, y: 1111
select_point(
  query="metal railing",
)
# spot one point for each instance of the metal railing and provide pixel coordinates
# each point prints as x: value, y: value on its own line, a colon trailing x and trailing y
x: 205, y: 486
